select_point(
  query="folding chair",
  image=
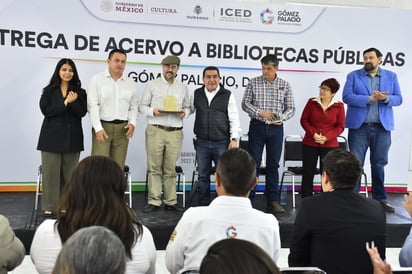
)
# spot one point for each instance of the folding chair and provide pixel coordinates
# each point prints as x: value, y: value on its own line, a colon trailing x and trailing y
x: 38, y: 193
x: 343, y: 143
x: 39, y: 188
x: 180, y: 176
x: 292, y: 162
x: 129, y: 191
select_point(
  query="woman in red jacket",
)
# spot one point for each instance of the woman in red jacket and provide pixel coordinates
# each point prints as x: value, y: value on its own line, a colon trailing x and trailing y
x: 323, y: 120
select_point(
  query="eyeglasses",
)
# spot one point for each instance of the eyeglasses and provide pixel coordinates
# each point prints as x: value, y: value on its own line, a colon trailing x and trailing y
x: 324, y: 88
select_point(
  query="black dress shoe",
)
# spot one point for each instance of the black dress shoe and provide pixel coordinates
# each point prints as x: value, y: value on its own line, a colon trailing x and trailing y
x: 174, y: 207
x: 149, y: 208
x: 274, y: 207
x: 387, y: 207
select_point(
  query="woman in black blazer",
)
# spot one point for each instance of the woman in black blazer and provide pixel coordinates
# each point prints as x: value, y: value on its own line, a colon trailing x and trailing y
x: 63, y: 104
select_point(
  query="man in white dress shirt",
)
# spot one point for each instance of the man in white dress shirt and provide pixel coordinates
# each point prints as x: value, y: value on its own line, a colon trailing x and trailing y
x: 230, y: 215
x: 112, y: 105
x: 165, y: 102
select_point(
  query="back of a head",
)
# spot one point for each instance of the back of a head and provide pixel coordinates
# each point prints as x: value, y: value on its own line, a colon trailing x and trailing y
x: 99, y: 179
x: 95, y: 196
x: 237, y: 171
x: 92, y: 250
x: 236, y: 256
x: 343, y: 168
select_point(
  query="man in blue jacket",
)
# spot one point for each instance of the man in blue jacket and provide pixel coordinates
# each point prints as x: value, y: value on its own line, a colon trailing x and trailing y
x: 370, y: 93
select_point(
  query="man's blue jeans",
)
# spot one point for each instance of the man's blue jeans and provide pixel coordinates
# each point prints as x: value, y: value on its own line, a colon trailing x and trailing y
x: 208, y: 151
x: 378, y: 140
x: 261, y: 134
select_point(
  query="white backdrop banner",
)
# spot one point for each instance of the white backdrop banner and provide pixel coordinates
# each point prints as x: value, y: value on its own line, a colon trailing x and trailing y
x: 312, y: 42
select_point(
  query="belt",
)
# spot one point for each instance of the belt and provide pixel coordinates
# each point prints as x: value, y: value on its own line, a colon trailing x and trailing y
x: 253, y: 120
x: 168, y: 128
x: 372, y: 124
x: 256, y: 120
x: 114, y: 121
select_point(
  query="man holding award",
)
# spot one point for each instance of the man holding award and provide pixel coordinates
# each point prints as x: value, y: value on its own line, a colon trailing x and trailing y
x: 165, y: 102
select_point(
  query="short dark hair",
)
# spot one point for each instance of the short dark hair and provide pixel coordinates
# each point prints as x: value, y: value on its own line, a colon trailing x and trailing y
x: 343, y: 168
x: 378, y: 53
x: 113, y: 51
x: 236, y: 256
x: 270, y: 59
x: 237, y: 171
x: 211, y: 68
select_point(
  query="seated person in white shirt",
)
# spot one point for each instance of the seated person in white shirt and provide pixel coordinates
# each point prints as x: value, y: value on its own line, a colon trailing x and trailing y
x: 230, y: 215
x: 95, y: 196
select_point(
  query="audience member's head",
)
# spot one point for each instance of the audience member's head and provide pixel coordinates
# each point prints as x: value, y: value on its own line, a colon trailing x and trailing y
x: 341, y: 169
x: 235, y: 256
x: 235, y: 172
x: 95, y: 196
x: 12, y: 250
x: 91, y: 250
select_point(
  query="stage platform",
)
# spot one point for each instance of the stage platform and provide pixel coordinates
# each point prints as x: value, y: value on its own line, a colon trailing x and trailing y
x: 18, y: 208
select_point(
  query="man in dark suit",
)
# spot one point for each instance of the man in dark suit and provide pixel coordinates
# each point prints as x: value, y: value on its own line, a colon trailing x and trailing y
x: 331, y: 229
